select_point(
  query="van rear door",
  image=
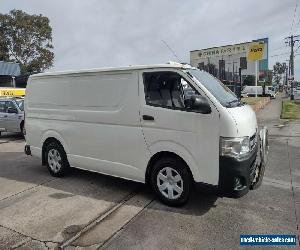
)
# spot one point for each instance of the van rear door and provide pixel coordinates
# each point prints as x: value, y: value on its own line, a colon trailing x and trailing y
x: 169, y: 126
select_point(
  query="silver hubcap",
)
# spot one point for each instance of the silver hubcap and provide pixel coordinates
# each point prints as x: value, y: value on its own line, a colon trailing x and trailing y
x: 170, y: 183
x: 54, y: 160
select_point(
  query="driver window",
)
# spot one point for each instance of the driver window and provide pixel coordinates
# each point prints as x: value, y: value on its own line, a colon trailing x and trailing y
x: 167, y: 89
x: 9, y: 104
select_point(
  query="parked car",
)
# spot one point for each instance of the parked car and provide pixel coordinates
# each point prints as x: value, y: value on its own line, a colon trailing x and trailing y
x: 137, y: 123
x: 11, y: 114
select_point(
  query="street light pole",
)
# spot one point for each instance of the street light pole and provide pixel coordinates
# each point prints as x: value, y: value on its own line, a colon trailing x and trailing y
x: 256, y: 76
x: 13, y: 81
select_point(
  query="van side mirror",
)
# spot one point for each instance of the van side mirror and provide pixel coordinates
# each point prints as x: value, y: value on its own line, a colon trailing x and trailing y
x: 200, y: 104
x: 12, y: 110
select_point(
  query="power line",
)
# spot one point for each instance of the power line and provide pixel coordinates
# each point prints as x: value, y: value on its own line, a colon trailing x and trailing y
x: 279, y: 48
x: 280, y: 54
x: 297, y: 49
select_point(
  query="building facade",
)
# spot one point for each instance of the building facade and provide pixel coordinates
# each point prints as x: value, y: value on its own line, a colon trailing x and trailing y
x: 8, y: 72
x: 224, y: 62
x: 10, y: 75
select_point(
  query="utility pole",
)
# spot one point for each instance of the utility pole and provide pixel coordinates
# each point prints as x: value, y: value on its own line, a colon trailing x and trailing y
x: 286, y: 71
x: 291, y: 40
x: 233, y: 76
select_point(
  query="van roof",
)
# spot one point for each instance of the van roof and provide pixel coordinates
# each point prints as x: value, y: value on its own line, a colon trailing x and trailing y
x: 111, y: 69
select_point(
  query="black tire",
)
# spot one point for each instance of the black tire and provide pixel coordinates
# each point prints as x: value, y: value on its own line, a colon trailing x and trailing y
x: 55, y: 169
x: 178, y: 167
x: 257, y: 183
x: 22, y: 129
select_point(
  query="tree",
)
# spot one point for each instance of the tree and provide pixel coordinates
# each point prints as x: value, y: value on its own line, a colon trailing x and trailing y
x: 27, y: 40
x: 249, y: 80
x: 278, y: 70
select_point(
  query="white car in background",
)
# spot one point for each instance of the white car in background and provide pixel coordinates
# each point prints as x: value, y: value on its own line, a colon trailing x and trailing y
x: 251, y: 91
x: 12, y: 114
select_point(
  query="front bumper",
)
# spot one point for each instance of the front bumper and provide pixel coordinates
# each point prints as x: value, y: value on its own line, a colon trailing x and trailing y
x: 236, y: 175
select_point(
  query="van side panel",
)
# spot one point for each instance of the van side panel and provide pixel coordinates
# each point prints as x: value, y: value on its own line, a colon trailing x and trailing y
x: 96, y: 118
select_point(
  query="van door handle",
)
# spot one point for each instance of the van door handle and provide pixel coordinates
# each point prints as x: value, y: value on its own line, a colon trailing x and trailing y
x: 148, y: 118
x: 5, y: 116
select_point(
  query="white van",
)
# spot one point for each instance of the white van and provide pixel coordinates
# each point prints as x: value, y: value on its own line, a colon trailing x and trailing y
x: 251, y: 91
x: 138, y: 123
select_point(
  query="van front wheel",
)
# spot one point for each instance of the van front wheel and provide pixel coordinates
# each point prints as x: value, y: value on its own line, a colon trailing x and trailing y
x: 56, y: 158
x: 171, y: 181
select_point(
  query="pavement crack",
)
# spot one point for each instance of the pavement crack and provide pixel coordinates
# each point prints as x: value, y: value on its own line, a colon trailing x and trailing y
x: 30, y: 238
x: 27, y: 189
x: 22, y: 243
x: 292, y: 188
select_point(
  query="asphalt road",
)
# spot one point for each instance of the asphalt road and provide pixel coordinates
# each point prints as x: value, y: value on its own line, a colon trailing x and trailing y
x: 90, y: 211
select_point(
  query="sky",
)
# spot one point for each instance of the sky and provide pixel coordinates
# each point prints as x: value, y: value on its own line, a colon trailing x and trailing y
x: 111, y: 33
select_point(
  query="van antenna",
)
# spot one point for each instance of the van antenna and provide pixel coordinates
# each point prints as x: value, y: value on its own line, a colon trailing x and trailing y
x: 173, y: 52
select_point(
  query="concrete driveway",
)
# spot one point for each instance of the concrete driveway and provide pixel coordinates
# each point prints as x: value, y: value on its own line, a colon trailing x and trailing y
x: 90, y: 211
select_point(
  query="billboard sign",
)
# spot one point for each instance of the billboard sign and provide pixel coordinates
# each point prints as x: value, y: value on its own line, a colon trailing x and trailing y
x: 256, y: 51
x: 221, y: 51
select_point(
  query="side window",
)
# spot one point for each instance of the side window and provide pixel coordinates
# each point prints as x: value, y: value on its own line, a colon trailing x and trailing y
x: 167, y: 89
x: 188, y: 91
x: 2, y: 106
x: 10, y: 104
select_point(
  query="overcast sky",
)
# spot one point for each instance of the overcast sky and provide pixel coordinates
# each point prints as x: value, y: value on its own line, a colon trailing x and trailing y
x: 99, y: 33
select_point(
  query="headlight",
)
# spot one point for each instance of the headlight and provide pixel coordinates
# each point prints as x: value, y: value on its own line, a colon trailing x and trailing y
x: 235, y: 147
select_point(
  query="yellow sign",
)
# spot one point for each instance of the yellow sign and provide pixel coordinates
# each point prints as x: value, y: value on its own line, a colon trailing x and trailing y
x: 256, y: 51
x: 12, y: 92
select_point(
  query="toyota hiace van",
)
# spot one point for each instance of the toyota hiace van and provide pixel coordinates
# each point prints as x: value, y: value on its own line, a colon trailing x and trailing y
x: 171, y: 126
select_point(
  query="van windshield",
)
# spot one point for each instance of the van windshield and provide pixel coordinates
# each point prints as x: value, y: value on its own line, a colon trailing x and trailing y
x: 222, y: 93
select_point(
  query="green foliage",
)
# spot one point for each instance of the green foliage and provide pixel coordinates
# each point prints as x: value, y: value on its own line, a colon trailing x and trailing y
x: 249, y: 80
x: 26, y: 39
x: 290, y: 110
x: 278, y: 70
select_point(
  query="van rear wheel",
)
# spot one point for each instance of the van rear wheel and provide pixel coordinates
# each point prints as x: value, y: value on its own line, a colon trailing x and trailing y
x: 56, y: 159
x: 171, y: 181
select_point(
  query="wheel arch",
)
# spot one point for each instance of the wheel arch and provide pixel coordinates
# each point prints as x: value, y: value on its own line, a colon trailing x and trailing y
x: 163, y: 154
x: 49, y: 137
